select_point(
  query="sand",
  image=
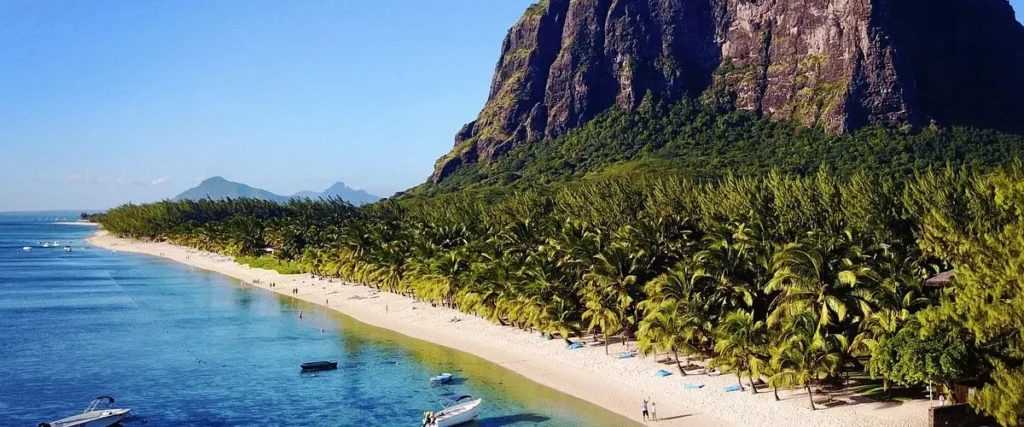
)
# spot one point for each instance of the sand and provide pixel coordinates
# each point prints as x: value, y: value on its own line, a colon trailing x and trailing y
x: 587, y: 373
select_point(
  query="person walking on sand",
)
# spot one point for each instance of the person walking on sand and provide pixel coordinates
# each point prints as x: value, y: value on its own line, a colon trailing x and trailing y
x: 654, y: 412
x: 644, y: 410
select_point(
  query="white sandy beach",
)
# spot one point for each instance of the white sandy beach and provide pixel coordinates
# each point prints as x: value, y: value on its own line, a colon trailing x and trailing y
x: 618, y: 385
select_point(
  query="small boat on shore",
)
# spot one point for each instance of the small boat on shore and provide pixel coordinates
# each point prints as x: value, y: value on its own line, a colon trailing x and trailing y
x: 93, y: 417
x: 459, y: 413
x: 319, y: 366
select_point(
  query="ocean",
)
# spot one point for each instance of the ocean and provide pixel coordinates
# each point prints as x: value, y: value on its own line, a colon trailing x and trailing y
x: 186, y: 347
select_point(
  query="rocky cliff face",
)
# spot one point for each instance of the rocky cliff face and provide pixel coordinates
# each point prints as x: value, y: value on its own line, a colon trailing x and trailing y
x: 840, y: 64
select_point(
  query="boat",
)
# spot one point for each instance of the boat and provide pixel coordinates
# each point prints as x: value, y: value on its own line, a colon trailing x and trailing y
x: 26, y: 248
x: 444, y: 378
x: 46, y: 245
x: 462, y: 412
x: 319, y: 366
x: 67, y: 249
x: 93, y: 415
x: 56, y: 243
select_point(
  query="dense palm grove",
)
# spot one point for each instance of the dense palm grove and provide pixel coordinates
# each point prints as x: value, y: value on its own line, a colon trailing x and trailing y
x: 790, y: 279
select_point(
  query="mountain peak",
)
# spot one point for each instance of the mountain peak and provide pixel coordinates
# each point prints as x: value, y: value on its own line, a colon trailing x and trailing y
x: 220, y: 188
x: 837, y: 65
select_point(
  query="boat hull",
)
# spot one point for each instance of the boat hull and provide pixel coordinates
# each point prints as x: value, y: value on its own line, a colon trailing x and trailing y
x: 458, y: 414
x: 318, y: 366
x: 98, y: 418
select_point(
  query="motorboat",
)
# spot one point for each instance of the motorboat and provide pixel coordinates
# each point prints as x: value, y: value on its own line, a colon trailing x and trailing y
x: 67, y: 249
x: 46, y: 245
x: 94, y: 416
x: 26, y: 248
x: 56, y: 243
x: 319, y: 366
x: 444, y: 378
x: 463, y: 411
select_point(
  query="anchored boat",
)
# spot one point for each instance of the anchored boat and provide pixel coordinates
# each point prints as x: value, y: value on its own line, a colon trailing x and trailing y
x: 319, y: 366
x: 93, y: 416
x: 444, y: 378
x: 463, y: 411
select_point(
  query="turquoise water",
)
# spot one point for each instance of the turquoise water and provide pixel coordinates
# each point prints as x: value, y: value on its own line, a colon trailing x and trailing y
x: 187, y: 347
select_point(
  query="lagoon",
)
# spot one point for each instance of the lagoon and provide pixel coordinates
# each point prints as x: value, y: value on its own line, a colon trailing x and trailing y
x: 188, y: 347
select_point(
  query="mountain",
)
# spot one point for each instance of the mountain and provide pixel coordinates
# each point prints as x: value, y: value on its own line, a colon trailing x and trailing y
x: 820, y: 63
x: 220, y: 188
x: 351, y: 195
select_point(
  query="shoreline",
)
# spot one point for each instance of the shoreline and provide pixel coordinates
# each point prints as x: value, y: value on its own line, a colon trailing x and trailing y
x: 588, y: 374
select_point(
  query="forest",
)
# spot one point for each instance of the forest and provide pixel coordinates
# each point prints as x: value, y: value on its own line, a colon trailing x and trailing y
x: 793, y: 279
x: 707, y: 139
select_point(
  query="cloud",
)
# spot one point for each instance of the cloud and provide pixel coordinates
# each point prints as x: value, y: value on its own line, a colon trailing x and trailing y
x: 107, y: 181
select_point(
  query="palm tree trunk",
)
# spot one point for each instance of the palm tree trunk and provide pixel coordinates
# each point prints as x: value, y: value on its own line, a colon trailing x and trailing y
x: 739, y: 380
x: 675, y: 352
x: 753, y: 387
x: 776, y: 389
x: 810, y: 396
x: 606, y: 344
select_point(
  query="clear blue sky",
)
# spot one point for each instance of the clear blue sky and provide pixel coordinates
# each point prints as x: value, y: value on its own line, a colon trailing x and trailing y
x: 103, y: 103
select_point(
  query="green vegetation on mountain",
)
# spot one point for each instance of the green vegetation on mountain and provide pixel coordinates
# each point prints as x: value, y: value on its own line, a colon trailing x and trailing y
x: 698, y: 139
x: 785, y: 277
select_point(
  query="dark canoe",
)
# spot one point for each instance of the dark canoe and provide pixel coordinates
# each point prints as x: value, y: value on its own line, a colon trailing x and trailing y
x: 319, y: 366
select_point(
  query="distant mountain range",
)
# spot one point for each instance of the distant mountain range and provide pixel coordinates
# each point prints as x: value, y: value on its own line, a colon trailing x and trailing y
x: 220, y: 188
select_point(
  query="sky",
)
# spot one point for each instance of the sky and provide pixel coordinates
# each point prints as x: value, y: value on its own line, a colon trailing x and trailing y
x: 106, y: 103
x: 130, y: 101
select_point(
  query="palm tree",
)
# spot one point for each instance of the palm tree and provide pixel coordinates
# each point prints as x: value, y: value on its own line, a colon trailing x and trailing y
x: 824, y: 277
x: 740, y: 342
x: 668, y: 329
x: 603, y: 313
x: 806, y: 353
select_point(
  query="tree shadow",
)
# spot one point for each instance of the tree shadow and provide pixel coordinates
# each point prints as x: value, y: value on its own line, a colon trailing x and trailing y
x: 675, y: 417
x: 512, y: 419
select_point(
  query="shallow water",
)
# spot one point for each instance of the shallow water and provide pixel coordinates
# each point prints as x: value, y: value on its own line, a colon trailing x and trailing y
x: 187, y: 347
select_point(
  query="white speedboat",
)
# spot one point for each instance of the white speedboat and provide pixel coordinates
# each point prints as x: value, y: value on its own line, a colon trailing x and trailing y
x: 67, y: 249
x: 93, y: 415
x: 26, y: 248
x: 459, y: 413
x: 46, y: 245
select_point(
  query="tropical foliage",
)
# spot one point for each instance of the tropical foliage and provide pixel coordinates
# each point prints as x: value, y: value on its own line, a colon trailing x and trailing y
x: 775, y: 277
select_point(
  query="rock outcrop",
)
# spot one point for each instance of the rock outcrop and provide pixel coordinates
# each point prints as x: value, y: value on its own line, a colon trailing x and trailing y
x: 839, y: 64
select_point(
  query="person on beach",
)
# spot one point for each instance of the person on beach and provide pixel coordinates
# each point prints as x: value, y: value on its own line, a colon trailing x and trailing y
x: 654, y: 412
x: 644, y: 410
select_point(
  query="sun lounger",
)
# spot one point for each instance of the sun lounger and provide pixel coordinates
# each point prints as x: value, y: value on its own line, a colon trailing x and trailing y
x: 662, y: 373
x: 575, y: 345
x: 733, y: 387
x: 694, y: 386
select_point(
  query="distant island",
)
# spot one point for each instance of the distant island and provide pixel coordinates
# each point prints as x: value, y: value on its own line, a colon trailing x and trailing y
x: 219, y: 188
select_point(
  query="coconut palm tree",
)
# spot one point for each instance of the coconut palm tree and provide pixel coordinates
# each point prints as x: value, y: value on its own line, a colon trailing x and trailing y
x: 740, y: 342
x: 603, y: 312
x: 806, y: 352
